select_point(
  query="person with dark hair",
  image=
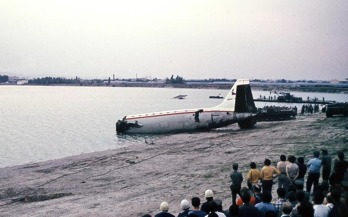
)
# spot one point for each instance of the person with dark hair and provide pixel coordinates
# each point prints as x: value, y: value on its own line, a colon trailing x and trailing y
x: 339, y: 209
x: 253, y: 176
x: 292, y: 198
x: 247, y: 210
x: 219, y: 210
x: 340, y: 167
x: 320, y: 210
x: 281, y: 199
x: 283, y: 182
x: 304, y: 208
x: 328, y: 201
x: 234, y: 210
x: 212, y: 214
x: 213, y: 208
x: 146, y: 215
x: 266, y: 175
x: 314, y: 166
x: 326, y: 162
x: 292, y: 171
x: 286, y: 209
x: 237, y: 179
x: 266, y: 205
x: 196, y: 202
x: 302, y: 170
x: 252, y: 198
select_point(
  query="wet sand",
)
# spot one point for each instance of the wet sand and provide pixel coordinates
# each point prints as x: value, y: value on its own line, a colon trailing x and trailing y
x: 134, y: 180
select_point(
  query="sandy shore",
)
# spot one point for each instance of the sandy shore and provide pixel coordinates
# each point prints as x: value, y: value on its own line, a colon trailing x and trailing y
x: 134, y: 180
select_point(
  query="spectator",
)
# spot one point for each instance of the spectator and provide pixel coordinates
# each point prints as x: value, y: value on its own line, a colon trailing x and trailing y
x: 234, y: 210
x: 213, y: 208
x: 328, y: 201
x: 326, y: 162
x: 286, y: 209
x: 247, y: 210
x: 209, y: 196
x: 281, y: 199
x: 236, y: 178
x: 320, y: 210
x: 283, y: 182
x: 196, y: 202
x: 219, y: 207
x: 292, y: 198
x: 302, y: 169
x: 292, y: 170
x: 252, y: 198
x: 266, y: 205
x: 185, y: 206
x: 340, y: 167
x: 339, y: 209
x: 164, y: 207
x: 253, y: 176
x: 304, y: 208
x: 266, y: 175
x: 314, y: 166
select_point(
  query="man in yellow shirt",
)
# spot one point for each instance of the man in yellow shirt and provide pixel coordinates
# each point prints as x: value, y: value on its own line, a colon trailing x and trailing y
x: 267, y: 175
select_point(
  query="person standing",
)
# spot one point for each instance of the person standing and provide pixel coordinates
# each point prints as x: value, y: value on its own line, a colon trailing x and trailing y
x: 237, y: 179
x: 253, y: 176
x: 292, y: 170
x: 340, y: 167
x: 283, y: 181
x: 266, y: 176
x: 302, y: 170
x: 326, y: 162
x: 314, y: 166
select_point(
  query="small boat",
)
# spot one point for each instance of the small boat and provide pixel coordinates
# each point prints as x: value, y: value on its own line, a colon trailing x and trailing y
x: 216, y: 97
x: 180, y: 97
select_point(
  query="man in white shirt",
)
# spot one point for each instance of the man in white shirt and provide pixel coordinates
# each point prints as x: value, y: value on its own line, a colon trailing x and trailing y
x: 320, y: 210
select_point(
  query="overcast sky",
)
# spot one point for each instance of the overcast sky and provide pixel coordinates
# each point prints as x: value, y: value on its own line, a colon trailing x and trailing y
x: 266, y: 39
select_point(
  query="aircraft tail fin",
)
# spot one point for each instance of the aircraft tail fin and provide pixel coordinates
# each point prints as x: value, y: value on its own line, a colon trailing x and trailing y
x: 239, y: 98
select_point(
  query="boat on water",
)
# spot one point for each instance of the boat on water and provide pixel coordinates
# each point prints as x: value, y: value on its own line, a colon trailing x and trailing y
x: 216, y: 97
x: 275, y: 113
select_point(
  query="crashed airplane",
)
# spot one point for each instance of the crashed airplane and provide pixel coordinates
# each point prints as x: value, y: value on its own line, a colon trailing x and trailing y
x: 237, y: 107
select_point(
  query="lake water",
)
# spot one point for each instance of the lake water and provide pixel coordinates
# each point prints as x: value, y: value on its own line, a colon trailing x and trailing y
x: 40, y: 123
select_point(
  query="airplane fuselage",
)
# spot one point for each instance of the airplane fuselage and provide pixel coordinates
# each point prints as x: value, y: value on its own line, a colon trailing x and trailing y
x: 179, y: 120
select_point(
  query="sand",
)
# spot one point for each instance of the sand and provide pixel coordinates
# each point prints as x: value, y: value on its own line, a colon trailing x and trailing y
x: 134, y: 180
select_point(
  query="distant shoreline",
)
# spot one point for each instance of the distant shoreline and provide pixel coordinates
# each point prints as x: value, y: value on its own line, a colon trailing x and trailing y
x: 288, y: 87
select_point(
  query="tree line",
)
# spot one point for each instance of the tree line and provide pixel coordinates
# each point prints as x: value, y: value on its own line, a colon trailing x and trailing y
x: 176, y: 80
x: 53, y: 80
x: 3, y: 78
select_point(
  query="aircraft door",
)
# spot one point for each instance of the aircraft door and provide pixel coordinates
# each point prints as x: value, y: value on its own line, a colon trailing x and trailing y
x: 215, y: 119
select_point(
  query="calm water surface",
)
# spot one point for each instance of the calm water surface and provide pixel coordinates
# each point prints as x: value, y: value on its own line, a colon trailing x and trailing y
x: 41, y: 123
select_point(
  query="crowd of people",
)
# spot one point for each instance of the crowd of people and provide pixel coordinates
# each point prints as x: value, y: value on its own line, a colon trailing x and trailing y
x: 329, y: 198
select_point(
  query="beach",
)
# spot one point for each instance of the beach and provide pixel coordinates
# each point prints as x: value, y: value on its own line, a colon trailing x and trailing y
x: 134, y: 180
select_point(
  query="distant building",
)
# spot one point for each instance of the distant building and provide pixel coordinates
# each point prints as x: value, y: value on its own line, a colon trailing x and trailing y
x: 22, y: 81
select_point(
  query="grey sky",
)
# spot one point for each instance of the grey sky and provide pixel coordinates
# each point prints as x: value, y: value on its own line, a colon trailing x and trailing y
x: 267, y: 39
